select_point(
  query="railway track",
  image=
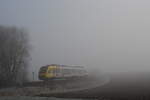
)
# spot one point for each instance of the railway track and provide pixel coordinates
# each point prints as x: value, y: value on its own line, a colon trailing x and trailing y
x: 53, y: 82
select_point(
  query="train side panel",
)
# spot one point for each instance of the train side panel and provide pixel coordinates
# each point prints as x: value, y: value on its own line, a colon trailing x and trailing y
x: 61, y: 72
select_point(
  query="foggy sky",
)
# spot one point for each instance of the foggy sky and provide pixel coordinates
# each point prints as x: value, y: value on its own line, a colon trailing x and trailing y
x: 108, y: 35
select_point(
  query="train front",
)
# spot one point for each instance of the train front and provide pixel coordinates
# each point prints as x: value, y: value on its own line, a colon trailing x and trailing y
x: 47, y: 72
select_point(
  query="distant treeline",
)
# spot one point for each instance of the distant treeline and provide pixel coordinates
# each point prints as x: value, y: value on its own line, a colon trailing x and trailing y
x: 14, y: 54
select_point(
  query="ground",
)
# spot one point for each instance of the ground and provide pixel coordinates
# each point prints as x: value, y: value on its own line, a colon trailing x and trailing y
x: 115, y: 86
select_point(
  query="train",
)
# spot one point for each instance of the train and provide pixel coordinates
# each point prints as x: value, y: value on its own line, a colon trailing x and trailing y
x: 55, y: 71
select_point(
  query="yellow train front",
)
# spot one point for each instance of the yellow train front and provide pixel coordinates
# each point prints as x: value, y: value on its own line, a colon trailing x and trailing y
x: 55, y: 71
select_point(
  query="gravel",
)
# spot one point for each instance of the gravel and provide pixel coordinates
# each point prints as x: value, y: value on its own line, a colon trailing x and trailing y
x: 36, y: 98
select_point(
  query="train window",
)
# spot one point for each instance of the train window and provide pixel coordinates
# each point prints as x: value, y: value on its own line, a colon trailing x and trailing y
x: 66, y: 71
x: 57, y: 70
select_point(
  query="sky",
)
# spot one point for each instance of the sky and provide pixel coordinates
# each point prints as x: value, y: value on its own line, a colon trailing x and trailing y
x: 104, y: 35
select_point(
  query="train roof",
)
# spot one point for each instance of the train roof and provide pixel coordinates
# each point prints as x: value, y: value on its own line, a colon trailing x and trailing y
x: 66, y: 66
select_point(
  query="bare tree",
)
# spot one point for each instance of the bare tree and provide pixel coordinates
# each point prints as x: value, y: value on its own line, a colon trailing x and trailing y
x: 14, y: 51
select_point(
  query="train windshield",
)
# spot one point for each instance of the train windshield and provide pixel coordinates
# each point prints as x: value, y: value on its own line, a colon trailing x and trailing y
x: 43, y: 69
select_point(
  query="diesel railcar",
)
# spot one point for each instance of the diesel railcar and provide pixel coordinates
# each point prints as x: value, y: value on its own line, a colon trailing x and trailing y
x: 55, y: 71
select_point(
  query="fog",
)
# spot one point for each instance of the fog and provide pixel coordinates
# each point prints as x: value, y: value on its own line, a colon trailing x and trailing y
x: 103, y: 35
